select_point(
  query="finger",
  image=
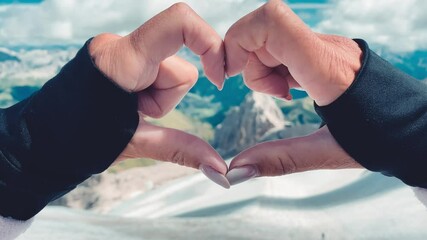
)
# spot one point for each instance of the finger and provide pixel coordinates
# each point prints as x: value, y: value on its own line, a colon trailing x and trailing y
x: 261, y: 78
x: 273, y: 26
x: 265, y: 57
x: 163, y: 35
x: 175, y: 78
x: 178, y: 147
x: 316, y: 151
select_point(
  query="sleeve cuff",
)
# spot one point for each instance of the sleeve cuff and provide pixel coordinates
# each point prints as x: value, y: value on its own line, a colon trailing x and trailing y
x: 75, y: 126
x: 381, y: 120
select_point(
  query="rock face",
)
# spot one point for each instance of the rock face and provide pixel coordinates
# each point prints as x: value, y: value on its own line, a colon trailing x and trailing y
x: 246, y: 125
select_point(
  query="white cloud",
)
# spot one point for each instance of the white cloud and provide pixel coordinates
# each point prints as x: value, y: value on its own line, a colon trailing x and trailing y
x: 396, y: 24
x: 59, y: 21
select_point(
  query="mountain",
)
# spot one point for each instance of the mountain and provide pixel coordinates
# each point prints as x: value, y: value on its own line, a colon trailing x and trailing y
x: 232, y: 95
x: 299, y: 111
x: 414, y: 64
x: 246, y: 125
x: 200, y: 107
x: 315, y: 205
x: 179, y: 120
x: 31, y: 67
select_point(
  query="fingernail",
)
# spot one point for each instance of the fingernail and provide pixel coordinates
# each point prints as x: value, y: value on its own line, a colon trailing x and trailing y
x: 221, y: 87
x: 241, y: 174
x: 289, y: 97
x: 215, y: 176
x: 223, y: 82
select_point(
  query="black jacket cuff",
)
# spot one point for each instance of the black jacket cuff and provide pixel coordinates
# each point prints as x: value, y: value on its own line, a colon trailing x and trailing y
x: 75, y: 126
x: 381, y: 120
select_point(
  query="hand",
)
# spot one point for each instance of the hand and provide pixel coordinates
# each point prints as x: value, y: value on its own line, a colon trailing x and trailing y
x: 316, y: 151
x: 277, y: 51
x: 144, y: 62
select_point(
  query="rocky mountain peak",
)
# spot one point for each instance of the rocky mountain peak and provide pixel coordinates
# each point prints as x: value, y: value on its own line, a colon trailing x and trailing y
x: 245, y: 125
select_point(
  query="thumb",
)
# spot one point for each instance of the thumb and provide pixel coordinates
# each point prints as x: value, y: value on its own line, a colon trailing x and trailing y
x: 178, y: 147
x: 316, y: 151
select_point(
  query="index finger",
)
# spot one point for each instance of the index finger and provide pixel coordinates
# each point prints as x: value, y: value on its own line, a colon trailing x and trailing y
x: 163, y: 35
x: 275, y: 27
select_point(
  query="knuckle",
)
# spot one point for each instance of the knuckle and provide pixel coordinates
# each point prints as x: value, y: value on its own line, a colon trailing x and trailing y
x: 273, y: 10
x: 136, y: 40
x: 287, y: 164
x: 181, y: 156
x: 178, y: 157
x: 181, y: 9
x: 231, y: 32
x: 105, y: 38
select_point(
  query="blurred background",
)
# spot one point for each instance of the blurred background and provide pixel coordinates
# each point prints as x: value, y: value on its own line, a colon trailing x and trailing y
x: 146, y: 199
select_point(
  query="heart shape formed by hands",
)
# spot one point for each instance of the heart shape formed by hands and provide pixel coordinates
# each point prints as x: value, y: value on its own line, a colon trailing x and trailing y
x: 275, y: 51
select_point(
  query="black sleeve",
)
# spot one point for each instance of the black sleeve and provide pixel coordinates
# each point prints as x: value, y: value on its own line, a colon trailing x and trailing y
x: 381, y: 120
x: 75, y: 126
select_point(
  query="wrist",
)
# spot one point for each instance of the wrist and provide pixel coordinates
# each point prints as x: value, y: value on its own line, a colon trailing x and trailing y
x: 344, y: 60
x: 102, y: 50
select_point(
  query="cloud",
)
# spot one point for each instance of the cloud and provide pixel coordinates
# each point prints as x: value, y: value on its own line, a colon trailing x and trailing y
x: 59, y: 21
x: 395, y: 24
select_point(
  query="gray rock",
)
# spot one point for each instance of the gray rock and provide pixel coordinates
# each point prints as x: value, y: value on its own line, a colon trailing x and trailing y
x: 246, y: 125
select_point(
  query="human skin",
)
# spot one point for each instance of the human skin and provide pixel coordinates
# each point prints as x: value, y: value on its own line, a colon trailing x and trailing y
x: 276, y: 51
x: 144, y: 62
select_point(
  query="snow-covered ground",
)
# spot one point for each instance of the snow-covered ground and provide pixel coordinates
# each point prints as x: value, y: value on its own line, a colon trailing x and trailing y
x: 348, y: 204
